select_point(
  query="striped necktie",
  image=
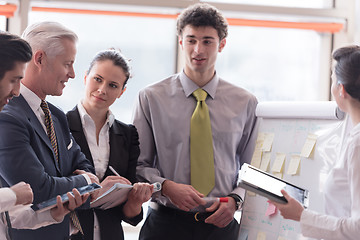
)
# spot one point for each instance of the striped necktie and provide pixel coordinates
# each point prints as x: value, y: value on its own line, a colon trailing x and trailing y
x: 201, y: 146
x: 50, y: 128
x: 51, y: 134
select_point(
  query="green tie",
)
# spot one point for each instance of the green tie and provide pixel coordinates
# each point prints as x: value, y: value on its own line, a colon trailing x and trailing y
x: 201, y: 146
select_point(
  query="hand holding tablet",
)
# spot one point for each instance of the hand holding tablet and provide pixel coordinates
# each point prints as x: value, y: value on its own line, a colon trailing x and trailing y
x: 51, y: 203
x: 269, y: 186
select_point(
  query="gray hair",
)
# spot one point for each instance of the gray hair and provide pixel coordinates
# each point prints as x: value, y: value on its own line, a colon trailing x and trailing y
x: 48, y: 36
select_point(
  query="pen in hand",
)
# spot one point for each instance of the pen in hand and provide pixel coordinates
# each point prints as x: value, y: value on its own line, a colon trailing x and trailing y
x: 114, y: 172
x: 157, y: 185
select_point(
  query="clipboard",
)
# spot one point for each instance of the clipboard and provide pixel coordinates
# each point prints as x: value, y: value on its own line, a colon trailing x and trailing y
x: 269, y: 186
x: 116, y: 195
x: 51, y: 203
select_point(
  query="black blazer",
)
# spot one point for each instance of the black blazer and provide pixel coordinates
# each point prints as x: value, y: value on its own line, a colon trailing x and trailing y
x: 124, y: 152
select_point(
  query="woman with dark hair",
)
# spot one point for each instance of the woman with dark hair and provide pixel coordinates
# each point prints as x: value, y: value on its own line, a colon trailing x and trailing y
x: 108, y: 142
x: 342, y: 188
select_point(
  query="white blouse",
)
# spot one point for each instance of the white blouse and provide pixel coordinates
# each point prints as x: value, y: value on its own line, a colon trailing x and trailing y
x: 100, y: 152
x: 21, y: 216
x: 342, y: 197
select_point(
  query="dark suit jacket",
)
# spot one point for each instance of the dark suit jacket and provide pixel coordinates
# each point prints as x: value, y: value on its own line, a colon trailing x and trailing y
x: 26, y: 155
x: 124, y: 152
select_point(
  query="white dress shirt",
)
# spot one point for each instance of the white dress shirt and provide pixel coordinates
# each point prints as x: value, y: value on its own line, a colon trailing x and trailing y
x: 100, y: 152
x: 342, y: 197
x: 7, y: 199
x: 34, y: 102
x: 21, y: 216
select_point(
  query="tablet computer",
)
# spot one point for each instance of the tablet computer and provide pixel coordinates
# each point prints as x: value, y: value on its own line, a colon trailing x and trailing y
x: 269, y: 186
x: 48, y: 204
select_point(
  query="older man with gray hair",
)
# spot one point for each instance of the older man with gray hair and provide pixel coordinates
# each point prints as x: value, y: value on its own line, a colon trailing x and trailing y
x: 35, y: 142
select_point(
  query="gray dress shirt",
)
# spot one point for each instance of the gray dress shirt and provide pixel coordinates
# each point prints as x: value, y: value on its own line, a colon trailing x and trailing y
x: 162, y: 118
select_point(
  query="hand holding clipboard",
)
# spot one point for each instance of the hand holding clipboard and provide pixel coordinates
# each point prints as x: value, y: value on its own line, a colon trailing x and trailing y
x: 117, y: 194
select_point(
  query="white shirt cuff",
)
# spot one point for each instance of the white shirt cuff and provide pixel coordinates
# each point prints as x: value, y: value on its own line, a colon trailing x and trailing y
x: 7, y: 200
x: 46, y: 217
x: 87, y: 178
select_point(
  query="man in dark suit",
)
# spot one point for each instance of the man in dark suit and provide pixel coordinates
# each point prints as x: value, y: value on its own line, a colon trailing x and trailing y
x: 35, y: 142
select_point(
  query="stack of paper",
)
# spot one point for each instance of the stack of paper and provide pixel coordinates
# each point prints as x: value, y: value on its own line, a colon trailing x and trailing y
x: 116, y: 195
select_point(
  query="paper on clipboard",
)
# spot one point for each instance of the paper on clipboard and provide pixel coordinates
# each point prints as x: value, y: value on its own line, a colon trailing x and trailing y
x: 116, y: 195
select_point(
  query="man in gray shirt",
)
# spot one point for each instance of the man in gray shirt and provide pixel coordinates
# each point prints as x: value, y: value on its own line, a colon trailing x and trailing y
x: 163, y: 118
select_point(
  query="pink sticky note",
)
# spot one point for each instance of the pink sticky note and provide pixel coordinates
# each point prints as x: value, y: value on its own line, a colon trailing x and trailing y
x: 271, y: 209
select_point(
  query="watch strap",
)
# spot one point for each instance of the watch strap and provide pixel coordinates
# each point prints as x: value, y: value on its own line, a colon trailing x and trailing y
x: 238, y: 200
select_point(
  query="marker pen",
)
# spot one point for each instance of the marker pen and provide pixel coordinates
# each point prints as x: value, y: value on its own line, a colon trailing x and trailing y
x: 216, y: 199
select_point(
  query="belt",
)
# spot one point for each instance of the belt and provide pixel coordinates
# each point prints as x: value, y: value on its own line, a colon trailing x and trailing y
x: 189, y: 216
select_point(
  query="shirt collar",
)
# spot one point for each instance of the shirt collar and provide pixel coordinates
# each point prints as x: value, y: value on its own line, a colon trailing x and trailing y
x: 189, y: 86
x: 355, y: 130
x: 84, y: 116
x: 31, y: 98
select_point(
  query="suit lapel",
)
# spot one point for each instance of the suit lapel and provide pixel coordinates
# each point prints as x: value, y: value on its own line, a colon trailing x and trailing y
x: 77, y: 131
x: 21, y: 102
x: 34, y: 121
x: 118, y: 149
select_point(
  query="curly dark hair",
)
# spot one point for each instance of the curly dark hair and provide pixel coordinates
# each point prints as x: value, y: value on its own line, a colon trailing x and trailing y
x: 203, y: 15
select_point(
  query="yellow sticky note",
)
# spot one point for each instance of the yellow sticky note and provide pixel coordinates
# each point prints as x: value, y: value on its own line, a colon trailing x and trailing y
x: 278, y: 175
x: 250, y: 194
x: 268, y: 141
x: 261, y: 137
x: 265, y: 160
x: 294, y: 165
x: 309, y: 145
x: 261, y: 236
x: 279, y: 162
x: 256, y: 158
x: 260, y: 141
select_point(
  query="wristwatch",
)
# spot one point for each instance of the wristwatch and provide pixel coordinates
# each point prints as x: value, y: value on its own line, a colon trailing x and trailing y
x: 238, y: 200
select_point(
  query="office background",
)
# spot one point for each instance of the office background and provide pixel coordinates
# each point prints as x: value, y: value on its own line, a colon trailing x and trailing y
x: 277, y: 49
x: 280, y: 51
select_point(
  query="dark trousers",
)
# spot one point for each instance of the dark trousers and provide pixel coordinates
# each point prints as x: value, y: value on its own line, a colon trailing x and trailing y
x: 165, y: 224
